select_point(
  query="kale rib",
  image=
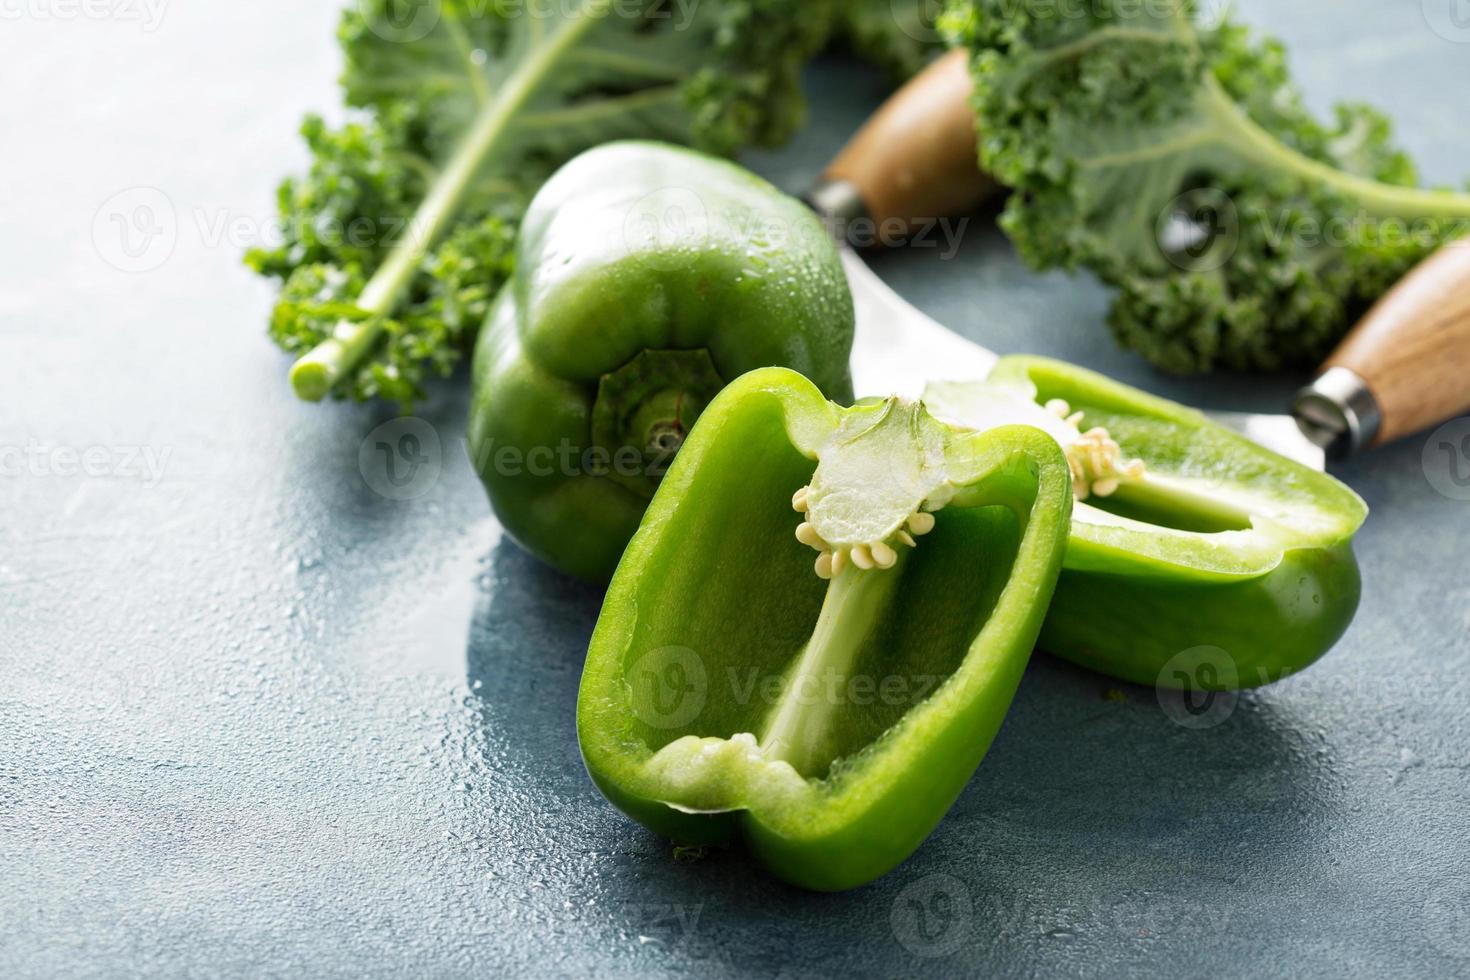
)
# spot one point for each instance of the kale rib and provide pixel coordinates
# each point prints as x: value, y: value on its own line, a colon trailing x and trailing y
x: 1232, y: 127
x: 316, y: 374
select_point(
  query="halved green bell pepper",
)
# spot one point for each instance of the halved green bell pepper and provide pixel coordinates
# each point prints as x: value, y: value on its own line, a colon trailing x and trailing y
x: 1197, y: 559
x: 827, y: 714
x: 647, y: 276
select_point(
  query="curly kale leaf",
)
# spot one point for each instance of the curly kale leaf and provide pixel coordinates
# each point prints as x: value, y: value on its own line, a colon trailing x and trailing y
x: 401, y: 232
x: 339, y: 222
x: 1178, y: 162
x: 899, y: 36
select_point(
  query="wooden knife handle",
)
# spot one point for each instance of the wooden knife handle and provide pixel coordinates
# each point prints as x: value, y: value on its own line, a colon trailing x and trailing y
x: 916, y: 160
x: 1412, y: 351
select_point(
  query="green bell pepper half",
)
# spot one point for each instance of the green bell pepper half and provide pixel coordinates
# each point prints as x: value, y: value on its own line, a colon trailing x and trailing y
x: 826, y: 714
x: 1198, y: 559
x: 647, y: 277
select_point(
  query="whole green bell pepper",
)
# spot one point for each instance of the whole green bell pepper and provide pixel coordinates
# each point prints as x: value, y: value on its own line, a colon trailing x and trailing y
x: 1198, y: 559
x: 827, y: 715
x: 647, y: 277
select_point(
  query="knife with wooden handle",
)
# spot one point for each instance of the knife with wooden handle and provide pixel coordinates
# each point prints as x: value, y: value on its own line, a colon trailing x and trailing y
x: 1404, y: 368
x: 916, y: 158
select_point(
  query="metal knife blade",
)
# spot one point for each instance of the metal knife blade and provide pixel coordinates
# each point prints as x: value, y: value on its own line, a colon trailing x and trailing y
x: 899, y: 350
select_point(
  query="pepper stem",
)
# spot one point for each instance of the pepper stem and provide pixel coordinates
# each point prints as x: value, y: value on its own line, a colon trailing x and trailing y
x: 797, y: 729
x: 666, y: 438
x: 649, y: 405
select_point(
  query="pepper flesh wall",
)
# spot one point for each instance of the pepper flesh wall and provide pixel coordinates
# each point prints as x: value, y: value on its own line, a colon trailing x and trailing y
x: 822, y: 696
x: 1198, y: 559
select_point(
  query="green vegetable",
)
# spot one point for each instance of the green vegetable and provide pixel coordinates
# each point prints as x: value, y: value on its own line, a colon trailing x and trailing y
x: 1178, y: 163
x: 828, y: 719
x: 399, y: 237
x: 1187, y: 539
x: 647, y: 277
x: 899, y: 36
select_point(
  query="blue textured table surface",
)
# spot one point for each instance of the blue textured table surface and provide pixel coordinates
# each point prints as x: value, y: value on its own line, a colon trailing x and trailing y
x: 257, y: 719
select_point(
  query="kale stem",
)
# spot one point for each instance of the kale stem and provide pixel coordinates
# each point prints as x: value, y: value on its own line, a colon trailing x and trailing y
x: 797, y: 729
x: 322, y: 368
x: 1238, y: 131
